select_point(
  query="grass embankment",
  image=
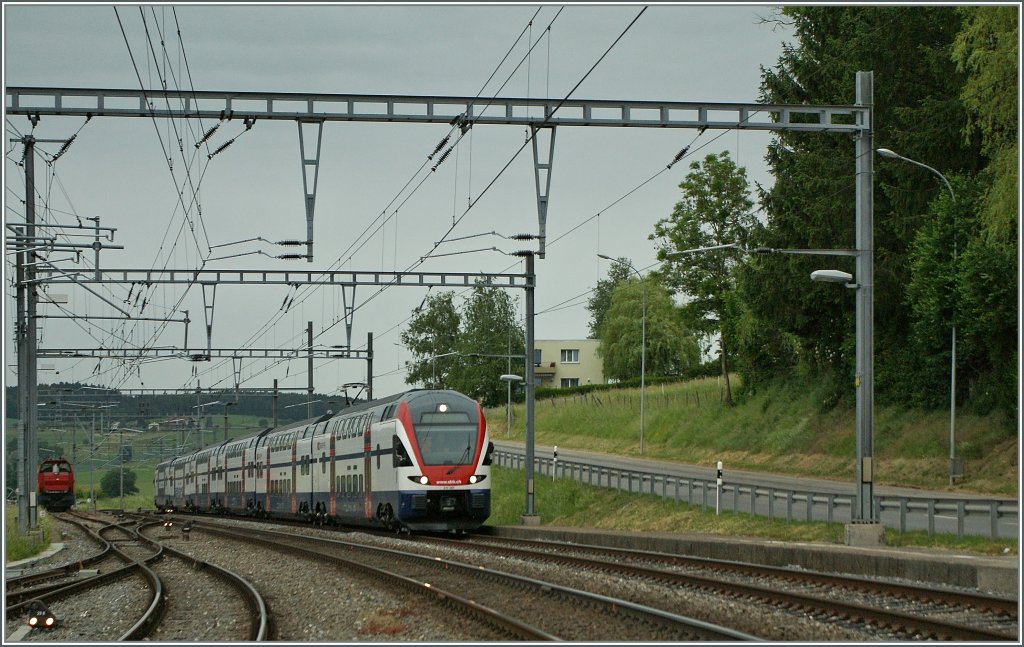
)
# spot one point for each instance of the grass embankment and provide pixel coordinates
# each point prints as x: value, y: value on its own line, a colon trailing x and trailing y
x: 18, y: 546
x: 781, y: 430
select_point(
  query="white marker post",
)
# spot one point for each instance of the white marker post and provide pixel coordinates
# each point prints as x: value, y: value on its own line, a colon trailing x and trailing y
x: 554, y: 462
x: 718, y: 490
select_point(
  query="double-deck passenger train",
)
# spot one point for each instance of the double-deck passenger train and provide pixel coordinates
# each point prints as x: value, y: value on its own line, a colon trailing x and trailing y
x: 417, y: 461
x: 55, y: 482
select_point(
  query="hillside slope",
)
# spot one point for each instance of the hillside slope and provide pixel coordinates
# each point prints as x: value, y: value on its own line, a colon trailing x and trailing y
x: 781, y: 429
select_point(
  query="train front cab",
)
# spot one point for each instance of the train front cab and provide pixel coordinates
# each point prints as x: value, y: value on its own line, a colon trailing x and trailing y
x: 55, y: 482
x: 432, y: 463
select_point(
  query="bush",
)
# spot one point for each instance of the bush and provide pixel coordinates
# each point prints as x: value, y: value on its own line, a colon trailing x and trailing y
x: 110, y: 484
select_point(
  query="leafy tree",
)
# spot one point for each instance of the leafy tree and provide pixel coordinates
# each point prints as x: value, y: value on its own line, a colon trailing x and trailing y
x: 670, y: 348
x: 474, y: 342
x: 715, y: 210
x: 489, y: 333
x: 110, y: 484
x: 433, y: 332
x: 601, y: 299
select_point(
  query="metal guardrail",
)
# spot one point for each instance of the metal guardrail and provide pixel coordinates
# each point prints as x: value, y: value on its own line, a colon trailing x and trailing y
x: 979, y: 517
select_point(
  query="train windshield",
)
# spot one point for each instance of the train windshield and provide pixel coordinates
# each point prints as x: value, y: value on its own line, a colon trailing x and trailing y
x: 447, y: 435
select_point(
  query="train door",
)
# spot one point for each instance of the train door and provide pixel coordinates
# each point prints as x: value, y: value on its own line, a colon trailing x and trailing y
x: 263, y: 469
x: 368, y: 508
x: 294, y: 479
x: 207, y: 479
x: 333, y: 501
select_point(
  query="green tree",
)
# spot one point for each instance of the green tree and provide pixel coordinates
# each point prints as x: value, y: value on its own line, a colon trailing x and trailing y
x: 465, y: 349
x: 917, y: 111
x: 601, y: 299
x: 987, y: 277
x: 490, y: 332
x: 432, y: 333
x: 110, y: 484
x: 668, y: 348
x: 715, y: 210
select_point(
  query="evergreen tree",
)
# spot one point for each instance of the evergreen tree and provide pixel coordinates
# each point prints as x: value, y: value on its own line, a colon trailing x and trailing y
x: 917, y: 112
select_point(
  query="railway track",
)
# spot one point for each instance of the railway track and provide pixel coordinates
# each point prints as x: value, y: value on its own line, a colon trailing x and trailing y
x: 148, y: 589
x: 908, y: 611
x: 519, y: 607
x: 40, y: 581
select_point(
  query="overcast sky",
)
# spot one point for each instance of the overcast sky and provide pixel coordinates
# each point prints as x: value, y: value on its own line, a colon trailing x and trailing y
x: 117, y: 170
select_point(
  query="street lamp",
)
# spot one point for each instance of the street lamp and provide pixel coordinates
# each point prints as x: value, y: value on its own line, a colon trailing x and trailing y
x: 953, y: 471
x: 509, y: 378
x: 643, y: 340
x: 433, y: 366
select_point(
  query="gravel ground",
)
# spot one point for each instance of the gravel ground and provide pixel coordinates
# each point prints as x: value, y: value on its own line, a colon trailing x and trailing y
x: 307, y: 602
x: 310, y: 602
x: 748, y: 617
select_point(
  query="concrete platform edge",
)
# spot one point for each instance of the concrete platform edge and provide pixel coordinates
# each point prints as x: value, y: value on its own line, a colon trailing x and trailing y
x: 996, y: 575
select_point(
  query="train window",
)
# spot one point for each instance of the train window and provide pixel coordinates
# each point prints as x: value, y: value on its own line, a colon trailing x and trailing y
x: 323, y: 463
x: 337, y: 483
x: 378, y: 455
x: 348, y: 483
x: 361, y: 489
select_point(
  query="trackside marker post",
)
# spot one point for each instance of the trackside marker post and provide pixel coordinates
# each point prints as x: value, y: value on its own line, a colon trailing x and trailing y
x: 718, y: 490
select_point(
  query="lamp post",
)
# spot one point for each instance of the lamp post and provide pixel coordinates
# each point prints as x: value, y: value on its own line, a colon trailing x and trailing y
x: 953, y: 471
x: 433, y: 366
x: 509, y: 378
x: 643, y: 340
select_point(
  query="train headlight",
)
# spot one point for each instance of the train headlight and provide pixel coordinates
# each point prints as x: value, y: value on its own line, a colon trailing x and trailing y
x: 476, y: 478
x: 422, y: 480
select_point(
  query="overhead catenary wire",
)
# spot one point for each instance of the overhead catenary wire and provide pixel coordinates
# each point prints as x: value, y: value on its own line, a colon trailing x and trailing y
x: 578, y: 225
x: 377, y: 225
x: 547, y: 118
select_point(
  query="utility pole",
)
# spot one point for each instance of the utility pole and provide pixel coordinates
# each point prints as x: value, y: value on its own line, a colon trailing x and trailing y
x: 369, y: 366
x: 275, y: 402
x: 309, y: 368
x: 530, y: 517
x: 28, y: 427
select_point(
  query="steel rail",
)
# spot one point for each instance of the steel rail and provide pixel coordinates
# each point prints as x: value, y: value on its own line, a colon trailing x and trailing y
x: 511, y: 626
x: 656, y: 617
x: 881, y: 617
x: 260, y: 621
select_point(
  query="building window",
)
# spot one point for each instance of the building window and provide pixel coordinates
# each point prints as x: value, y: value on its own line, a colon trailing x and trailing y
x: 570, y: 355
x: 536, y: 357
x: 570, y: 381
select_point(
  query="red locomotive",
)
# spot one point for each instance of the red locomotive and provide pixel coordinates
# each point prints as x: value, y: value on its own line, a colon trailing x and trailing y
x: 55, y: 483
